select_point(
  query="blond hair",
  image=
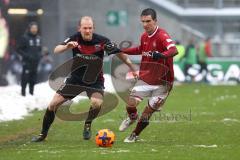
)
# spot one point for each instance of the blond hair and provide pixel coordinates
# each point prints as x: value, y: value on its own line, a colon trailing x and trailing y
x: 85, y: 18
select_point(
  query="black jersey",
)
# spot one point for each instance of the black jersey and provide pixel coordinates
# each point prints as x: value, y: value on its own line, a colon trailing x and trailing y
x: 92, y: 53
x: 30, y: 49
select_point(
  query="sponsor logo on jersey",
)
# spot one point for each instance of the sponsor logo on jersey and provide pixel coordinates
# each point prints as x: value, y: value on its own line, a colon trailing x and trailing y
x: 97, y: 47
x: 87, y: 57
x: 31, y: 42
x: 38, y: 42
x: 147, y: 54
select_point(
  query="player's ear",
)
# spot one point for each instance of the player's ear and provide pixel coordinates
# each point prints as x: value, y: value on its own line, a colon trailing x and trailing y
x: 155, y: 20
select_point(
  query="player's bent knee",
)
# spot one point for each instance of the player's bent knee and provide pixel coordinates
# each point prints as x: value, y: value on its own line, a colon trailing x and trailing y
x: 96, y: 102
x: 53, y: 106
x: 56, y: 102
x: 132, y: 102
x: 156, y: 103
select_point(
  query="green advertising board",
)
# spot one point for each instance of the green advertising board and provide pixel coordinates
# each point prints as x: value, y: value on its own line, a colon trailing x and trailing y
x: 117, y: 18
x: 220, y: 71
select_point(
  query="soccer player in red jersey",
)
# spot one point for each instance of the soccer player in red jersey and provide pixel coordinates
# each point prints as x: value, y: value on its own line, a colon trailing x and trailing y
x: 156, y: 74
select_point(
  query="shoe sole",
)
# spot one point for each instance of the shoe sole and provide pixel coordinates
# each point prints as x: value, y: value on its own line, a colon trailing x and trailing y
x: 127, y: 141
x: 121, y: 129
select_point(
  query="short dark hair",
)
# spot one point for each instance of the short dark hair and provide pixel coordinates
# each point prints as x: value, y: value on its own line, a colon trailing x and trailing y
x: 149, y: 11
x: 33, y: 23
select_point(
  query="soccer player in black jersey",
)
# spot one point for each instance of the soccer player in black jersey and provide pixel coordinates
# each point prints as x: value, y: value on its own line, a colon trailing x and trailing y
x: 85, y: 44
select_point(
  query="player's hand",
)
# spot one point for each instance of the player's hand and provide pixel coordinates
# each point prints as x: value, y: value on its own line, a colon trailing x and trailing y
x: 135, y: 75
x: 72, y: 44
x: 157, y: 55
x: 111, y: 48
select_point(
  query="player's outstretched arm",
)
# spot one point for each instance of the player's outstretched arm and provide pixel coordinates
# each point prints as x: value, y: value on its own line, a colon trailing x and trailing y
x: 62, y: 48
x: 111, y: 48
x: 169, y: 53
x: 123, y: 57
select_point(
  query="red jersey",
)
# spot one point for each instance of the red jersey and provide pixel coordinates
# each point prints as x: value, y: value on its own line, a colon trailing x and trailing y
x: 151, y: 71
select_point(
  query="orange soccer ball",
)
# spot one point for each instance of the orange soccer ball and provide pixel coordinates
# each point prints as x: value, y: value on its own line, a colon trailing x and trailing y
x: 105, y: 138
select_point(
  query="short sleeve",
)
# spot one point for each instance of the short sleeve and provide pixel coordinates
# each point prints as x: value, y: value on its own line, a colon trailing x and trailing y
x: 69, y: 39
x: 167, y: 40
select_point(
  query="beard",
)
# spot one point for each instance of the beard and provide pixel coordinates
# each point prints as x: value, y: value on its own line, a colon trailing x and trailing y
x: 87, y: 37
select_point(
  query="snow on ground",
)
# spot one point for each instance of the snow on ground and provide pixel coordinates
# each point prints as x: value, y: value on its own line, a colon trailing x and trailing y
x: 14, y: 106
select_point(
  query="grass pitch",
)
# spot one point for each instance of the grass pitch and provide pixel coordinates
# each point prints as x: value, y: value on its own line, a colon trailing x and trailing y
x: 197, y: 122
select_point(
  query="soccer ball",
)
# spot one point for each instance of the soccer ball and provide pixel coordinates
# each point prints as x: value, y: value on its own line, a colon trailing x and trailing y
x: 105, y: 138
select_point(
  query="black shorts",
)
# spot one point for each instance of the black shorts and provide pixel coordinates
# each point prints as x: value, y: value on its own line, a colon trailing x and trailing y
x: 73, y: 87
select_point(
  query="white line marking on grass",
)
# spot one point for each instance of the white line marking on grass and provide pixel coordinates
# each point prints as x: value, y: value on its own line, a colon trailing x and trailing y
x: 104, y: 151
x: 206, y: 113
x: 123, y: 151
x: 52, y: 152
x: 225, y: 97
x: 108, y: 120
x: 154, y: 150
x: 42, y: 151
x: 230, y: 120
x: 206, y: 146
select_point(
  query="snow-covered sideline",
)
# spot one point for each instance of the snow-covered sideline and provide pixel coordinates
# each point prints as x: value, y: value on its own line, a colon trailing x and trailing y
x: 13, y: 106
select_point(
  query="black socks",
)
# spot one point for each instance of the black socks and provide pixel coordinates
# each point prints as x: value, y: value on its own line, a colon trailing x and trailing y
x: 47, y: 121
x: 92, y: 114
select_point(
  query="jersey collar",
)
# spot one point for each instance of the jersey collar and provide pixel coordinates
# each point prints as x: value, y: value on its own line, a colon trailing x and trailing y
x: 151, y: 35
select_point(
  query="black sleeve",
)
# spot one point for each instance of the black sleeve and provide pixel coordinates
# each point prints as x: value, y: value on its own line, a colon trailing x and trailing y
x: 69, y: 39
x: 110, y: 47
x: 40, y: 48
x: 22, y: 46
x: 106, y: 40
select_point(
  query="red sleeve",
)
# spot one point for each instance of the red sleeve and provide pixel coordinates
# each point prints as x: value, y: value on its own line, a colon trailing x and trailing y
x: 171, y: 52
x: 168, y: 44
x: 132, y: 51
